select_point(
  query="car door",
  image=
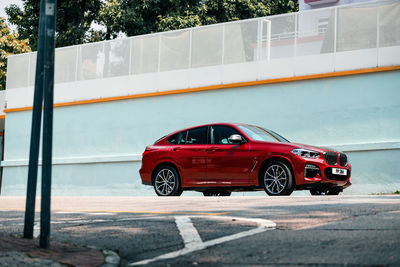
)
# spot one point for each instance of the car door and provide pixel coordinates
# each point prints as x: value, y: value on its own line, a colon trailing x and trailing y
x: 227, y: 163
x: 190, y: 153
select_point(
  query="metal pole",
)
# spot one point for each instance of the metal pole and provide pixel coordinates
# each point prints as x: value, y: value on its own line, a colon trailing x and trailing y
x: 377, y: 33
x: 48, y: 122
x: 223, y: 44
x: 35, y: 130
x: 269, y: 40
x: 296, y: 30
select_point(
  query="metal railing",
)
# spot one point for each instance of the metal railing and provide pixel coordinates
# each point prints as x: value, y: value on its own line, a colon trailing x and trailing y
x: 359, y: 26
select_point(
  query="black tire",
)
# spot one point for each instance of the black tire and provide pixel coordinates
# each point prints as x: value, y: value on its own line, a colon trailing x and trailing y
x: 167, y: 181
x: 277, y: 179
x: 217, y: 193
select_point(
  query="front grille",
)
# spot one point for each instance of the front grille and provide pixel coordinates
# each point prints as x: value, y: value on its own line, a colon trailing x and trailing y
x: 330, y: 176
x: 342, y: 159
x: 331, y: 158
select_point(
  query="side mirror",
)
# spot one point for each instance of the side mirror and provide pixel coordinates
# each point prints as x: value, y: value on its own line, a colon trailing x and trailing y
x: 236, y: 139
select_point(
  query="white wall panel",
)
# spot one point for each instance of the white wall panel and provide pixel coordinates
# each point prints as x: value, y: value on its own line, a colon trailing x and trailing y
x: 389, y: 56
x: 243, y: 72
x: 276, y: 68
x: 205, y: 76
x: 357, y: 59
x: 313, y: 64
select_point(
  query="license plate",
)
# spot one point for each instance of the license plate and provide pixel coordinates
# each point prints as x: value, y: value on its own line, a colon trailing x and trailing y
x: 339, y: 171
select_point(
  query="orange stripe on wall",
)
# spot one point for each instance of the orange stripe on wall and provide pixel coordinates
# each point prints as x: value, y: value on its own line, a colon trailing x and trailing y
x: 219, y: 87
x: 2, y: 116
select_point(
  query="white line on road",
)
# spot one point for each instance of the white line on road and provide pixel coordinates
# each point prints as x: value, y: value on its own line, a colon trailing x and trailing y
x: 189, y: 233
x: 193, y: 241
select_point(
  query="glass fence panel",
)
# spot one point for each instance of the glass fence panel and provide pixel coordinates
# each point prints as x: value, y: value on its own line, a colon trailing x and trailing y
x: 32, y: 68
x: 174, y: 50
x: 240, y: 42
x: 389, y: 24
x: 117, y: 57
x: 207, y: 46
x: 145, y: 54
x: 65, y: 64
x: 17, y: 70
x: 315, y: 32
x: 356, y: 27
x: 91, y: 61
x: 282, y: 36
x: 295, y: 34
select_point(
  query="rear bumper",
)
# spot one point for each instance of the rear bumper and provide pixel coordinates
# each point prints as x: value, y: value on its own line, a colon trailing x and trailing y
x: 145, y: 176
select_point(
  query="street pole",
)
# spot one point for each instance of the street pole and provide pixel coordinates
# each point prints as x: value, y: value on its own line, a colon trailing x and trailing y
x: 35, y: 131
x: 44, y: 87
x: 48, y: 91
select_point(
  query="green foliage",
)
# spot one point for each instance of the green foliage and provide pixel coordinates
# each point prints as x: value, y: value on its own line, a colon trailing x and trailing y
x: 135, y: 17
x: 74, y: 18
x: 10, y: 44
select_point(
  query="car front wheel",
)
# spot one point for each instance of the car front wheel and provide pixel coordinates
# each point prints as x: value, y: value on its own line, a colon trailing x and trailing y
x: 277, y: 179
x: 166, y: 182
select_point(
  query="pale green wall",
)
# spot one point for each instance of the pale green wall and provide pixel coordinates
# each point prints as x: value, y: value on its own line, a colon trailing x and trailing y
x: 350, y: 110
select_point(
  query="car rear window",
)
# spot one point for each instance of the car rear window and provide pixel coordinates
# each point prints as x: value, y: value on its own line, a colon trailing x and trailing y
x: 179, y: 138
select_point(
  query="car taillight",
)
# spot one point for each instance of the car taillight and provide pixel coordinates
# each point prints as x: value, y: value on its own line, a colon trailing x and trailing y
x: 146, y: 151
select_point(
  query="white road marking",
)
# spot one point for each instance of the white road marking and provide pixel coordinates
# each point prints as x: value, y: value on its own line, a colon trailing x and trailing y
x: 194, y: 243
x: 189, y: 233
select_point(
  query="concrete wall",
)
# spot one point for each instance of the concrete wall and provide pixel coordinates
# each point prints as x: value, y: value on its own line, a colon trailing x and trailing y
x: 97, y: 147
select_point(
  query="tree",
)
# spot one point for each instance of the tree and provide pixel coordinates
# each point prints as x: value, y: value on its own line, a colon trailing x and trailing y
x: 134, y: 17
x: 10, y: 44
x: 74, y: 19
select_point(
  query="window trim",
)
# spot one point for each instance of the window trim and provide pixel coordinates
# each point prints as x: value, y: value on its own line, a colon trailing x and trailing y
x: 187, y: 133
x: 229, y: 126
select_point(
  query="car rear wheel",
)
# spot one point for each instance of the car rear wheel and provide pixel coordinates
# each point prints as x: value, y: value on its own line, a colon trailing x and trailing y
x: 216, y: 193
x: 166, y: 182
x: 277, y: 179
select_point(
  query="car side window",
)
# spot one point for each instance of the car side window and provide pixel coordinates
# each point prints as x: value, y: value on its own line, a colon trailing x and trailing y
x: 197, y: 136
x: 220, y: 134
x: 179, y: 138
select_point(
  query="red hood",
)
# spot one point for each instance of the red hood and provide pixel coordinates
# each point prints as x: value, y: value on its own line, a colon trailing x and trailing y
x: 315, y: 148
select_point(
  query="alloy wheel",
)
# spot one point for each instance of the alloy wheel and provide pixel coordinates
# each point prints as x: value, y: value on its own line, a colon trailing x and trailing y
x: 165, y: 182
x: 275, y: 179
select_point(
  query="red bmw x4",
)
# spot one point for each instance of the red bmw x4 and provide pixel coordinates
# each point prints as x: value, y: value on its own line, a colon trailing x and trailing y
x: 217, y: 159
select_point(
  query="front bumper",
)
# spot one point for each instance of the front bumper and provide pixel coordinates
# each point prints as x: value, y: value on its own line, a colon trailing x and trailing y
x: 311, y: 172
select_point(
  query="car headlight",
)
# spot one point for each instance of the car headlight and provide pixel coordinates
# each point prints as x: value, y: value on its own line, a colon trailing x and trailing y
x: 305, y: 153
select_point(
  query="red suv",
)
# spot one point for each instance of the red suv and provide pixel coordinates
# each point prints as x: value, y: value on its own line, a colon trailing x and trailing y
x: 217, y: 159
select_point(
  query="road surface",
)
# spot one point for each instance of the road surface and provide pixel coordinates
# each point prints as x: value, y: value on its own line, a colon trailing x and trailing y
x: 226, y: 231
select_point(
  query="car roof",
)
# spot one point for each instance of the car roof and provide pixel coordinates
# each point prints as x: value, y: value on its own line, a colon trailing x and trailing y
x: 204, y: 125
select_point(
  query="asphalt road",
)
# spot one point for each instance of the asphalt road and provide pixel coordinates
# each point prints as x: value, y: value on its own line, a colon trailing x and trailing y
x: 226, y: 231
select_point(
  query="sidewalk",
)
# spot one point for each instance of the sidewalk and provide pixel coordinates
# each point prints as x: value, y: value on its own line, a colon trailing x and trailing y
x: 16, y: 251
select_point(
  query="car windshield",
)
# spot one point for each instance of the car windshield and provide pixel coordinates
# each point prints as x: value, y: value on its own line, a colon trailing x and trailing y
x: 260, y: 134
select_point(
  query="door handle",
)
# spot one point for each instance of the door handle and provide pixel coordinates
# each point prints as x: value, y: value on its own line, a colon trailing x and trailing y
x: 177, y: 149
x: 213, y: 149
